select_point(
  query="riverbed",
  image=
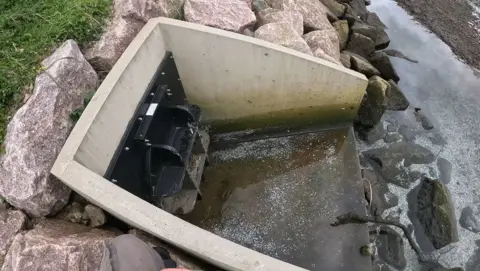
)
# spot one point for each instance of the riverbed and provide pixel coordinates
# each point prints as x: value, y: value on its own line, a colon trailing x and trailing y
x: 448, y: 93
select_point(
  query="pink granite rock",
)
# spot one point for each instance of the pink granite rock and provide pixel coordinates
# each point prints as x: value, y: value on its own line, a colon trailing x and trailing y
x: 39, y: 129
x: 57, y: 245
x: 11, y: 223
x: 129, y: 18
x: 274, y: 16
x: 313, y: 11
x: 249, y: 3
x: 105, y: 53
x: 283, y: 33
x: 231, y: 15
x: 324, y: 43
x: 144, y: 10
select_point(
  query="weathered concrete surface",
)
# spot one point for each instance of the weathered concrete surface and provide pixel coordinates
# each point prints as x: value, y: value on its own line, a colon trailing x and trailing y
x: 82, y: 170
x: 251, y: 85
x: 269, y: 73
x: 278, y: 196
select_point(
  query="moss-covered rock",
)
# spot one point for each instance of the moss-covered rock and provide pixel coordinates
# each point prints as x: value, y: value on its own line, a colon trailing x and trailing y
x: 343, y: 31
x: 435, y: 213
x: 375, y: 102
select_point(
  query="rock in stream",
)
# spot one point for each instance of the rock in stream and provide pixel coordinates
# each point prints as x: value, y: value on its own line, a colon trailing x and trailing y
x: 435, y: 213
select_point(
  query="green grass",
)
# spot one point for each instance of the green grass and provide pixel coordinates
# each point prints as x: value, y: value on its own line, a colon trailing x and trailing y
x: 30, y: 30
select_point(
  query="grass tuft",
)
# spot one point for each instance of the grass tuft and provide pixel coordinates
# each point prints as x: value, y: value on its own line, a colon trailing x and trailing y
x: 30, y: 30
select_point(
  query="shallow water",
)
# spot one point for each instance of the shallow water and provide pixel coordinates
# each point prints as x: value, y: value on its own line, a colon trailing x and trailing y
x: 448, y: 92
x: 278, y: 196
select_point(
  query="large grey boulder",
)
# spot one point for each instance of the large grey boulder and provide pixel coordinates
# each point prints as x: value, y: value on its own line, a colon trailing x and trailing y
x: 361, y: 45
x: 39, y: 129
x: 349, y: 16
x: 396, y: 99
x: 381, y: 38
x: 375, y: 103
x: 343, y: 31
x: 435, y: 213
x: 381, y: 61
x: 324, y: 44
x: 287, y: 16
x: 358, y: 7
x: 57, y: 245
x: 313, y: 11
x: 364, y: 29
x: 11, y: 223
x: 372, y: 18
x: 362, y: 65
x: 231, y: 15
x: 336, y: 8
x: 283, y: 33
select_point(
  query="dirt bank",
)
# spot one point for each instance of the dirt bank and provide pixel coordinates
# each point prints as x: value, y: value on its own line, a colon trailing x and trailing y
x: 453, y: 21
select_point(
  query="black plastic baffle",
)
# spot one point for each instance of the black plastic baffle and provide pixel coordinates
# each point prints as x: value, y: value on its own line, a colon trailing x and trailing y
x: 153, y: 159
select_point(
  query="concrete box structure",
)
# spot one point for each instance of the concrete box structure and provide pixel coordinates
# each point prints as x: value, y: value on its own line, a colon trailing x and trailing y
x: 234, y: 79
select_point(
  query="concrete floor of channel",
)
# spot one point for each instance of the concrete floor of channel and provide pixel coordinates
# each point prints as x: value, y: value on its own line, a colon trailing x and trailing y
x: 278, y: 196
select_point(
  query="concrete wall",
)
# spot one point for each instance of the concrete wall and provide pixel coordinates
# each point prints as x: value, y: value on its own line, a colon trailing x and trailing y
x: 300, y: 81
x: 235, y: 77
x: 116, y: 100
x: 239, y: 82
x: 169, y: 228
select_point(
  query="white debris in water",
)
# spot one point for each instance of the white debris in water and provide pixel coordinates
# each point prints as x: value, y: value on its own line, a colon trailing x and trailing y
x: 277, y: 201
x: 330, y: 156
x: 281, y: 147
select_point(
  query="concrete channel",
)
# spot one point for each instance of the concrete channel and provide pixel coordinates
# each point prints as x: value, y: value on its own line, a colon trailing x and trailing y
x: 268, y: 203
